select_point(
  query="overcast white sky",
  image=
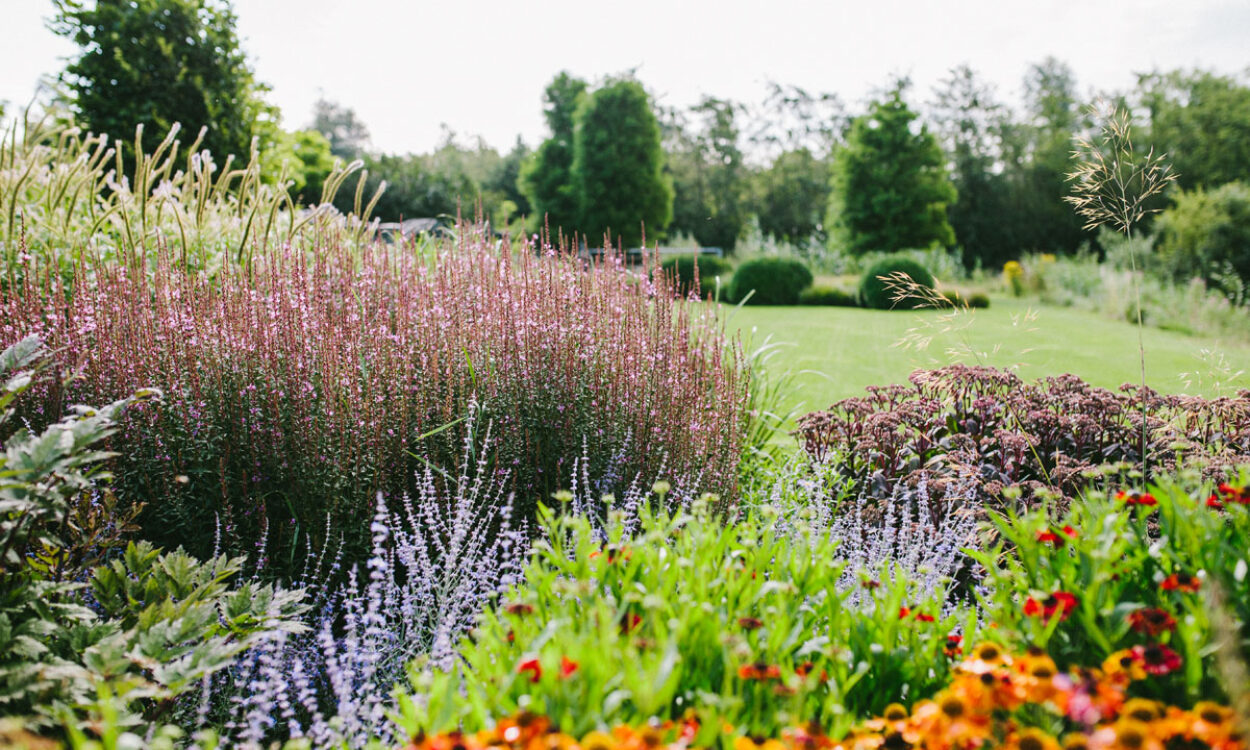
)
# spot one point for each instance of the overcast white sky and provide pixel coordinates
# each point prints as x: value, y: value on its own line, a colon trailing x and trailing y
x: 408, y: 66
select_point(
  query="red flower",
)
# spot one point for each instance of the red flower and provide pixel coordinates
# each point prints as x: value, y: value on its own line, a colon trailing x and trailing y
x: 533, y: 667
x: 1151, y: 621
x: 921, y: 616
x: 1050, y: 537
x: 1059, y: 602
x: 1181, y: 582
x: 903, y: 612
x: 751, y: 623
x: 1157, y: 659
x: 511, y: 637
x: 1214, y: 501
x: 518, y: 608
x: 567, y: 667
x: 1233, y: 494
x: 953, y: 647
x: 1069, y: 532
x: 759, y: 671
x: 1136, y: 498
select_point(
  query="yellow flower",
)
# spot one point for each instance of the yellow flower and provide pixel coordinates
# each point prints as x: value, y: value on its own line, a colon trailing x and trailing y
x: 1033, y: 739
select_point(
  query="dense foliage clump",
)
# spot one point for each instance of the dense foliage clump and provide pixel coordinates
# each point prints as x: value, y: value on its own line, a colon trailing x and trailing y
x: 896, y: 283
x: 770, y: 281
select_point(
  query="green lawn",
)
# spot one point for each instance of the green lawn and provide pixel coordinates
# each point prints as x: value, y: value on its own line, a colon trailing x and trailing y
x: 834, y: 353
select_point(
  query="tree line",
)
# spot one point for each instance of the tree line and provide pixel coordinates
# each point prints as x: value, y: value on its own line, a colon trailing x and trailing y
x: 955, y: 167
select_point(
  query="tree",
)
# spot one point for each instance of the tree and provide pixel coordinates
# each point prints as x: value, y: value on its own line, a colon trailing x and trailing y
x: 792, y: 195
x: 347, y: 134
x: 889, y: 188
x: 618, y: 165
x: 969, y: 124
x: 709, y: 176
x: 1040, y: 152
x: 308, y: 160
x: 1202, y: 122
x: 158, y: 62
x: 546, y: 180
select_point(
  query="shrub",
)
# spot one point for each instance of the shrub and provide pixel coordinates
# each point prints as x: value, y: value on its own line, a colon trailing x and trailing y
x: 987, y: 428
x: 682, y: 270
x: 299, y: 387
x: 827, y: 295
x: 747, y: 625
x: 774, y: 281
x: 1207, y: 234
x: 957, y: 299
x: 884, y: 282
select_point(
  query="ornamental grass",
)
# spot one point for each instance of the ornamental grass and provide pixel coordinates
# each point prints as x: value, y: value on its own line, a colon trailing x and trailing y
x: 300, y: 385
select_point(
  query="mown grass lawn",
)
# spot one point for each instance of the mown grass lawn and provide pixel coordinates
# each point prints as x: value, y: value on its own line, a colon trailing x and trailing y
x: 833, y: 353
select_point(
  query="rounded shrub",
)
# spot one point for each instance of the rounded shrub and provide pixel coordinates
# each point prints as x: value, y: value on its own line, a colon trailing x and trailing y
x: 775, y: 281
x: 682, y: 271
x: 875, y: 292
x: 829, y: 296
x: 958, y: 299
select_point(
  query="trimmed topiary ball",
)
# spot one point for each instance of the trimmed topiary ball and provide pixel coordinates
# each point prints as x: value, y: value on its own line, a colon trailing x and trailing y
x: 681, y: 270
x: 875, y: 293
x: 776, y: 281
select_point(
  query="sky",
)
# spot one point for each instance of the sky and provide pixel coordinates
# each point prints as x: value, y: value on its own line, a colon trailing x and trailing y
x: 411, y: 68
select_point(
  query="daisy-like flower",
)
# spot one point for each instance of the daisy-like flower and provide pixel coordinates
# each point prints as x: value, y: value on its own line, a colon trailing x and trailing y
x: 1182, y: 582
x: 1134, y: 497
x: 1125, y: 664
x: 759, y: 671
x: 1060, y: 602
x: 1157, y: 659
x: 1151, y: 621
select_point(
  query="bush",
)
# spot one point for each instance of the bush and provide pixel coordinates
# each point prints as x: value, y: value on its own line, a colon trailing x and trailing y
x: 987, y: 432
x: 1207, y: 234
x: 879, y: 294
x: 682, y: 271
x: 775, y: 281
x: 297, y: 389
x: 957, y: 299
x: 827, y: 295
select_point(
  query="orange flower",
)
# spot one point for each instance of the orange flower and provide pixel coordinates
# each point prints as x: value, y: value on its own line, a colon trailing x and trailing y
x: 567, y: 667
x: 1181, y: 582
x: 759, y: 671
